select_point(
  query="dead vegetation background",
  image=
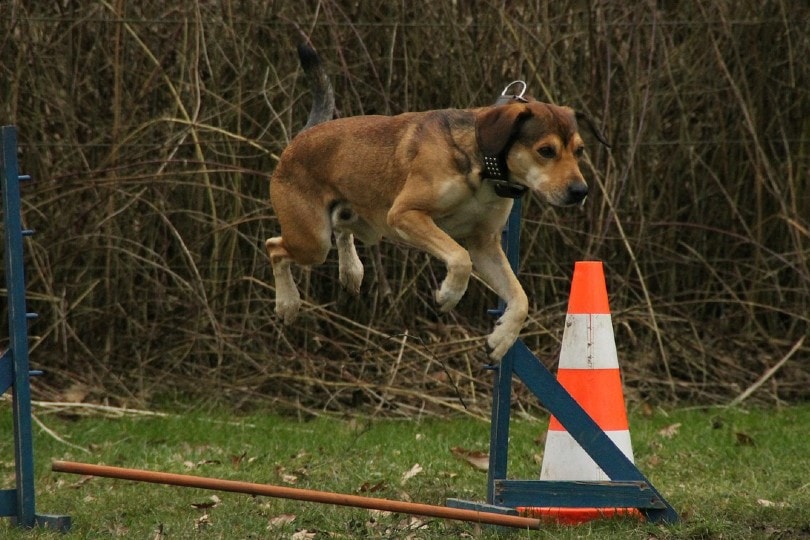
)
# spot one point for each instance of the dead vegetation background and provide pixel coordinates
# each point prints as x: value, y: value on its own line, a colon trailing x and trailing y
x: 151, y: 128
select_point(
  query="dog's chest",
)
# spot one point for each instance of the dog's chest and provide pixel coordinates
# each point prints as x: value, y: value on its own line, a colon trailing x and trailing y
x: 481, y: 214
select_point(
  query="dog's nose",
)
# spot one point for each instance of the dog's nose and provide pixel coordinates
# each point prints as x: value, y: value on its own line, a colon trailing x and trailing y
x: 577, y: 192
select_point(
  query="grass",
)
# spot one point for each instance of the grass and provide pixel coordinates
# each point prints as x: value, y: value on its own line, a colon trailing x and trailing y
x: 729, y: 473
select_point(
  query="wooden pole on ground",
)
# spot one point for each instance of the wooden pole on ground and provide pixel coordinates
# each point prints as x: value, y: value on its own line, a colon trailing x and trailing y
x: 327, y: 497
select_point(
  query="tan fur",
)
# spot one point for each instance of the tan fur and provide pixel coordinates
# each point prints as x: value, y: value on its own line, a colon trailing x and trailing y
x: 416, y: 178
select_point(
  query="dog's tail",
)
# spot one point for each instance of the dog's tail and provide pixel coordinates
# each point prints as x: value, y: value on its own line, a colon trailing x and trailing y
x: 323, y: 96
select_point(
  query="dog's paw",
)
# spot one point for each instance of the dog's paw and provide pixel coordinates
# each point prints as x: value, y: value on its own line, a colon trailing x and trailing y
x: 287, y: 310
x: 501, y: 339
x: 447, y: 297
x: 351, y: 276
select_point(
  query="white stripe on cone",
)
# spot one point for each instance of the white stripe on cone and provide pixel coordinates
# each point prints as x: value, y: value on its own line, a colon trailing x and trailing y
x: 564, y: 459
x: 588, y: 342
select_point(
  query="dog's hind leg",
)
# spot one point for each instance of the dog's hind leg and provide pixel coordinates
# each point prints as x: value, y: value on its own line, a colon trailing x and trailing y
x: 349, y: 264
x: 288, y: 299
x: 343, y: 217
x: 305, y: 240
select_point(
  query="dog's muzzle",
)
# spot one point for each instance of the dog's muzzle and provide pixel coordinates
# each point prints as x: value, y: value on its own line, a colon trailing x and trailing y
x: 576, y: 193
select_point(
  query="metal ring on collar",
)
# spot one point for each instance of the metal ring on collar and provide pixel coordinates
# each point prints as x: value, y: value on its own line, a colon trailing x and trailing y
x: 516, y: 96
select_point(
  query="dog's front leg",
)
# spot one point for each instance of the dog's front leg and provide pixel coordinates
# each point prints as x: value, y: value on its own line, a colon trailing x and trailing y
x: 419, y: 230
x: 491, y: 265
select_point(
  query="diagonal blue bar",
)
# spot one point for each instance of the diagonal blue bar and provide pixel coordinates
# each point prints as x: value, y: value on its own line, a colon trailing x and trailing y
x: 581, y: 426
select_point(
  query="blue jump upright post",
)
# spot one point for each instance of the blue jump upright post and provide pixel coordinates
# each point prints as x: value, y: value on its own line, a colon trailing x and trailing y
x: 627, y: 488
x: 18, y: 503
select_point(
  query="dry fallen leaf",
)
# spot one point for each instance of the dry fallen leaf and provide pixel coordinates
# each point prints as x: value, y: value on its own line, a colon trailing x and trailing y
x: 770, y: 504
x: 289, y: 478
x: 210, y: 503
x: 478, y: 460
x: 377, y: 514
x: 744, y: 439
x: 411, y: 523
x: 413, y: 471
x: 80, y: 482
x: 159, y: 534
x: 280, y: 521
x: 367, y: 487
x: 192, y: 465
x: 654, y: 460
x: 669, y: 431
x: 236, y: 459
x: 303, y: 535
x: 202, y: 522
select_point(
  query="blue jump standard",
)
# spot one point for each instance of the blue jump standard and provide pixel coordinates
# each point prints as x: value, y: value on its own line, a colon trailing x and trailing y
x: 627, y: 488
x: 18, y: 503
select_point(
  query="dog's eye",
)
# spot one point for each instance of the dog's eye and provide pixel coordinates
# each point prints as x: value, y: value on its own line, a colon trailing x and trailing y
x: 579, y: 152
x: 547, y: 152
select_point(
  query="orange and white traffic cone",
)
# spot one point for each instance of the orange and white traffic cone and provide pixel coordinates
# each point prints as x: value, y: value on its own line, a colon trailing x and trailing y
x: 589, y: 370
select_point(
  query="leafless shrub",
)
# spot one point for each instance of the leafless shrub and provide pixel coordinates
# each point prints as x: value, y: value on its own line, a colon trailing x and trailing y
x: 151, y: 129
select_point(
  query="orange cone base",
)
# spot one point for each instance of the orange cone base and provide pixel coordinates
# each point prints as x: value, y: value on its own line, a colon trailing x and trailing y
x: 576, y: 516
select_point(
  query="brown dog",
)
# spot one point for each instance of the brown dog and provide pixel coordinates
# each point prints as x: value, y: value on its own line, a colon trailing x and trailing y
x: 424, y: 179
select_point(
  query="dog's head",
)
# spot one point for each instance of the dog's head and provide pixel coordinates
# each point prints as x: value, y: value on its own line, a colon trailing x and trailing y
x: 541, y: 146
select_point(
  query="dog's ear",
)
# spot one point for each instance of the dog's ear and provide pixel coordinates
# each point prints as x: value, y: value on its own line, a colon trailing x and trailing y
x: 582, y: 117
x: 497, y: 126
